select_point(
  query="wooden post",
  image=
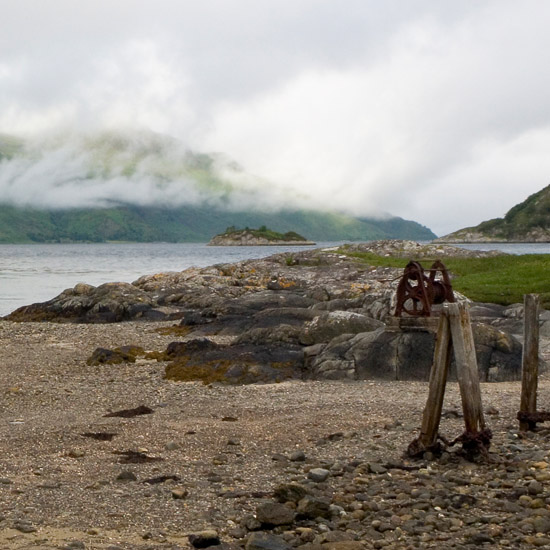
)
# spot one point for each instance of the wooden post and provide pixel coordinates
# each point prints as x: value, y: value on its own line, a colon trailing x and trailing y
x: 530, y: 358
x: 438, y: 380
x: 466, y: 367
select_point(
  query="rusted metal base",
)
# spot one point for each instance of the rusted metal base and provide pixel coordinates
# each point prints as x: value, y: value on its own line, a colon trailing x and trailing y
x: 416, y: 448
x: 531, y: 419
x: 474, y: 444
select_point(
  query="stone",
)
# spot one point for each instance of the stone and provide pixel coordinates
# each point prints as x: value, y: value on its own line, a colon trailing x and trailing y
x: 312, y: 507
x: 274, y: 513
x: 290, y: 492
x: 24, y: 527
x: 180, y: 493
x: 318, y: 474
x: 297, y: 456
x: 535, y: 487
x: 331, y: 324
x: 204, y: 539
x: 266, y: 541
x: 126, y: 475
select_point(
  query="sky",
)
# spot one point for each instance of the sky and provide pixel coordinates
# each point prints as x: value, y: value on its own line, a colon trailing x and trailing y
x: 433, y: 110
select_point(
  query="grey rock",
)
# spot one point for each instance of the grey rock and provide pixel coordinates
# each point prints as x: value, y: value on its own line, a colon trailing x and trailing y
x: 318, y: 474
x: 24, y: 527
x: 297, y: 456
x: 408, y: 355
x: 535, y: 487
x: 335, y: 323
x: 266, y: 541
x: 274, y: 513
x: 290, y: 492
x: 312, y: 507
x: 126, y: 475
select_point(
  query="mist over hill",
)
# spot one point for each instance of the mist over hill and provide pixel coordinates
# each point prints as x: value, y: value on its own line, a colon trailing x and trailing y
x: 143, y: 186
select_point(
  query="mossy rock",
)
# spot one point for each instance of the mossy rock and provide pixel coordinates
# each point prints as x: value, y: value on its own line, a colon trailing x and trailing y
x: 124, y: 354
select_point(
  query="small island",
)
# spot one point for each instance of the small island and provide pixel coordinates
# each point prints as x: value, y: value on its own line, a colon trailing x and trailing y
x: 258, y: 237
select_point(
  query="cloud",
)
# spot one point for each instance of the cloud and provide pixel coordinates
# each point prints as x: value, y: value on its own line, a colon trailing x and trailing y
x: 434, y: 111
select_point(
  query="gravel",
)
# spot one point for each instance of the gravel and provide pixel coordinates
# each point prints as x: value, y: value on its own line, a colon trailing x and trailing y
x: 196, y: 472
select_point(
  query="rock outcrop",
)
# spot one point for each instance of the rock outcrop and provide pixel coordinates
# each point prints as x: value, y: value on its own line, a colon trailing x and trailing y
x: 254, y: 238
x: 321, y: 315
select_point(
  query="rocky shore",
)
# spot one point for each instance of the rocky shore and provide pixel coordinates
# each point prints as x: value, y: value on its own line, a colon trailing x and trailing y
x: 108, y: 450
x: 219, y: 459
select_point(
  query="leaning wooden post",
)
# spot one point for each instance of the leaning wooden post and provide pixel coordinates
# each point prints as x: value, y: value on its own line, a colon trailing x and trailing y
x: 466, y: 368
x: 530, y: 359
x: 438, y: 380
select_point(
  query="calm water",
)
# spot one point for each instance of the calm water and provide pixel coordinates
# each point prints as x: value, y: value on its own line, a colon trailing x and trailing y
x: 38, y: 272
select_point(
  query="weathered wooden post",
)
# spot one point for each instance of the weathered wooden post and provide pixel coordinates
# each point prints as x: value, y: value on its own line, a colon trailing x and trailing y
x: 438, y: 380
x: 530, y: 359
x: 466, y: 367
x: 454, y: 332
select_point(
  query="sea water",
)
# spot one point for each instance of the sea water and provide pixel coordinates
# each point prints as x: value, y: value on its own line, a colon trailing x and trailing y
x: 38, y: 272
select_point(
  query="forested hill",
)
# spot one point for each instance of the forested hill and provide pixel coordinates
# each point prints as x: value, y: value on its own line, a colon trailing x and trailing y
x: 188, y: 224
x: 528, y: 221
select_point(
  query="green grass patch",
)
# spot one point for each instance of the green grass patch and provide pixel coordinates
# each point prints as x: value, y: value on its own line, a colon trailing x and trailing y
x: 497, y: 279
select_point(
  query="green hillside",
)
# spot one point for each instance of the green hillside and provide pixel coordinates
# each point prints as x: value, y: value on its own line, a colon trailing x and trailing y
x: 185, y: 224
x: 141, y: 167
x: 528, y: 221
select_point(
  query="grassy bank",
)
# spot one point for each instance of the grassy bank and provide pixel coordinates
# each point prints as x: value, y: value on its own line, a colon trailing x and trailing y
x: 498, y: 279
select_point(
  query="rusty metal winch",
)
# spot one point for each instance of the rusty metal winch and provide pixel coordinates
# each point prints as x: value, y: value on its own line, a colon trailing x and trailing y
x: 417, y: 292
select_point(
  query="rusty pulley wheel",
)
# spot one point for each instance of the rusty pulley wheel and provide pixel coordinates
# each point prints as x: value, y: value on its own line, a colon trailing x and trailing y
x: 417, y: 292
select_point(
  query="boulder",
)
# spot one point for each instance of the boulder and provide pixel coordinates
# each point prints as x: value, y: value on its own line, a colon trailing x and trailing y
x: 107, y: 303
x: 408, y: 355
x: 203, y: 360
x: 330, y: 324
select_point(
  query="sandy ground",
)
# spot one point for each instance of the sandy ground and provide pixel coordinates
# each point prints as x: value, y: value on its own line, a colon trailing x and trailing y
x: 59, y: 489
